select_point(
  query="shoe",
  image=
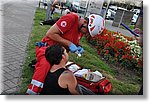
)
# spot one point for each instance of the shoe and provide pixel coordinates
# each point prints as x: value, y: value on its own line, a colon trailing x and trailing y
x: 41, y: 24
x: 51, y: 17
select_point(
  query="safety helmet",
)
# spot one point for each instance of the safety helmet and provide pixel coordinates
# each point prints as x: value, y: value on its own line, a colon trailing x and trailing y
x: 95, y: 25
x: 67, y: 11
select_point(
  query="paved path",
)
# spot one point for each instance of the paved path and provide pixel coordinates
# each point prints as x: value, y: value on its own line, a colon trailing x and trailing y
x: 109, y: 26
x: 17, y: 24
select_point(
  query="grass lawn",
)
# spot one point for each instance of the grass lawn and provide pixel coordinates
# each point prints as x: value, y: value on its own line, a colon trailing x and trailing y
x: 89, y: 60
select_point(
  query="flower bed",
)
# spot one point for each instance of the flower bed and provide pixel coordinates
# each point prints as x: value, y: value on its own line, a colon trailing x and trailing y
x: 115, y: 47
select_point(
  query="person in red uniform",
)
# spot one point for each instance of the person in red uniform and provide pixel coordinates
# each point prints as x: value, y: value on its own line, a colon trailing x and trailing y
x: 67, y: 31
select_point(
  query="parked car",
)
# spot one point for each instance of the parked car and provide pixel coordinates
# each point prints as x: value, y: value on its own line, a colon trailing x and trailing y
x: 136, y: 11
x: 110, y: 15
x: 77, y: 6
x: 134, y: 19
x: 135, y: 16
x: 113, y: 7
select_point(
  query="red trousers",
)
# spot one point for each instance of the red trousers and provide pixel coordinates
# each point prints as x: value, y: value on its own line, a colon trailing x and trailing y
x: 41, y: 69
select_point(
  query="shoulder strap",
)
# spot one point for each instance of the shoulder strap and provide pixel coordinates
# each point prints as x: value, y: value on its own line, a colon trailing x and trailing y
x: 72, y: 63
x: 61, y: 70
x: 73, y: 67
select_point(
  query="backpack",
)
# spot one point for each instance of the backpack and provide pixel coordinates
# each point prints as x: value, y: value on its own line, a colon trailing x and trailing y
x: 101, y: 87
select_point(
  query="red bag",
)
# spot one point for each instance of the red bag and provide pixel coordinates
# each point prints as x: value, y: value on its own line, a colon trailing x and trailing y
x: 101, y: 87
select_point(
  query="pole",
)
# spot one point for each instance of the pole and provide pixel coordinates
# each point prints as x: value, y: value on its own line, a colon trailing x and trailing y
x: 122, y: 16
x: 106, y: 9
x: 87, y: 5
x: 132, y: 32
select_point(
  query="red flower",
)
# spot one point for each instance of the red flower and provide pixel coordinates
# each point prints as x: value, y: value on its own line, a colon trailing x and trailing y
x: 117, y: 53
x: 107, y: 45
x: 124, y: 56
x: 107, y: 52
x: 139, y: 61
x: 135, y: 57
x: 130, y: 57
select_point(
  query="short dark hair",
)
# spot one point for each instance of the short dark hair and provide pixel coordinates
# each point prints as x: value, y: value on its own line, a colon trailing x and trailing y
x: 54, y: 54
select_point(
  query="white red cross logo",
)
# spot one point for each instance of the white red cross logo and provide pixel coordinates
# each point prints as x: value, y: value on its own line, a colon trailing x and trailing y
x: 63, y: 23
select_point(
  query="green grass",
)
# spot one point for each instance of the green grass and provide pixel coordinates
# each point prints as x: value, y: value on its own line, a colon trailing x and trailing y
x: 89, y: 60
x: 131, y: 27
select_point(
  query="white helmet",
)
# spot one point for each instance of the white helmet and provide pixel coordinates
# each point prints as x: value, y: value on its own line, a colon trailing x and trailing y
x: 67, y: 11
x: 95, y: 25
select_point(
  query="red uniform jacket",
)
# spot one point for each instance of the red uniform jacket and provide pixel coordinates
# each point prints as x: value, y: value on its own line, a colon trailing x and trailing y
x: 68, y: 25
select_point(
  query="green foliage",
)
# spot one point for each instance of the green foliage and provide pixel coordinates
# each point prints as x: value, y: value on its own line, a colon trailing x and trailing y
x: 121, y: 88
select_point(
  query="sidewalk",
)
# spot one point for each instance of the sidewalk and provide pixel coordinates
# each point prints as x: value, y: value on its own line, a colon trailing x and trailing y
x: 17, y: 24
x: 109, y: 26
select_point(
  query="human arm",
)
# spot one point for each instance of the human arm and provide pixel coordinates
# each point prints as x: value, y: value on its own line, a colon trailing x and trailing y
x: 55, y: 2
x: 54, y: 34
x: 68, y: 80
x: 60, y: 28
x: 59, y: 31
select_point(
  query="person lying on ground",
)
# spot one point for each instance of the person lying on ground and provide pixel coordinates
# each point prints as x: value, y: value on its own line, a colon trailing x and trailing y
x: 54, y: 20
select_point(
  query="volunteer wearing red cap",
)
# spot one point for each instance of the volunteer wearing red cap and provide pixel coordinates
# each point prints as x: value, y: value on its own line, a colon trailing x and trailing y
x: 67, y: 31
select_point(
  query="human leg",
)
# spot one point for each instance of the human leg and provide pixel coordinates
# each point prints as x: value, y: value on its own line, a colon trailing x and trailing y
x: 48, y: 11
x: 41, y: 69
x: 84, y: 91
x: 49, y: 22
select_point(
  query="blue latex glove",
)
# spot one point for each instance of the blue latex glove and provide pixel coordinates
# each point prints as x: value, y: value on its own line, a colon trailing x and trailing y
x: 73, y: 48
x: 40, y: 44
x: 80, y: 49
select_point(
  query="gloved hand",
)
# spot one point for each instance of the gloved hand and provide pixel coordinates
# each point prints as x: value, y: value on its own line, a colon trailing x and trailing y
x: 40, y: 44
x: 80, y: 49
x: 73, y: 48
